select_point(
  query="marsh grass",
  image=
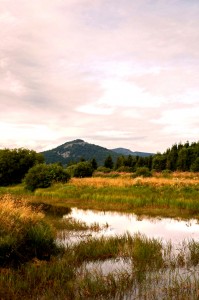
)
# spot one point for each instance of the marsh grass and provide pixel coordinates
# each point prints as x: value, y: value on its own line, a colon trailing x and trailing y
x: 146, y: 253
x: 100, y: 248
x: 127, y: 195
x: 23, y: 233
x: 71, y: 224
x: 194, y: 252
x: 150, y: 276
x: 176, y: 196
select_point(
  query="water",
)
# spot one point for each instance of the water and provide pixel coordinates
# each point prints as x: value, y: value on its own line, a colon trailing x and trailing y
x: 166, y: 229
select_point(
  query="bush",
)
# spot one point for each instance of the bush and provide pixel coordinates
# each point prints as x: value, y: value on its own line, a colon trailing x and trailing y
x: 23, y: 233
x: 125, y: 169
x: 42, y: 176
x: 103, y: 169
x: 83, y: 169
x: 143, y: 171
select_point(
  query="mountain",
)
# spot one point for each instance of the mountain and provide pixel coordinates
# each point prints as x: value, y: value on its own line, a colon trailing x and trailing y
x: 124, y: 151
x: 75, y: 150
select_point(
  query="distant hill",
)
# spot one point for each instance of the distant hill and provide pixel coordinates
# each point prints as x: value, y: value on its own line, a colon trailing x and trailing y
x: 73, y: 151
x: 124, y: 151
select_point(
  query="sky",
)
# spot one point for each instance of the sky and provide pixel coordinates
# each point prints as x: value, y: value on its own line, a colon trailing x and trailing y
x: 115, y: 73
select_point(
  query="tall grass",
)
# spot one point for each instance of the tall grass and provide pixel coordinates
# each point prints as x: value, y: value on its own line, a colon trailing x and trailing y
x: 128, y: 195
x: 155, y: 272
x: 23, y: 233
x: 176, y: 196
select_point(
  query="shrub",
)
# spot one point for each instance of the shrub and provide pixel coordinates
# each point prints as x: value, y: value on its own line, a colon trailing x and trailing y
x: 103, y: 169
x: 125, y: 169
x: 23, y: 233
x: 42, y: 176
x: 83, y: 169
x: 143, y: 171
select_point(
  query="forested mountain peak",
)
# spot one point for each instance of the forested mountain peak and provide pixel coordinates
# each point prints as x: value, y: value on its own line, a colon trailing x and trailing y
x: 74, y: 151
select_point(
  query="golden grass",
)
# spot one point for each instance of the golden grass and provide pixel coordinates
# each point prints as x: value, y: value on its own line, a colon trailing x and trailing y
x: 176, y: 179
x: 15, y: 214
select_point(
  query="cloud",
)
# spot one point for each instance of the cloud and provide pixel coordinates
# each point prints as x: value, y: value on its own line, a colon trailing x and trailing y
x: 98, y: 69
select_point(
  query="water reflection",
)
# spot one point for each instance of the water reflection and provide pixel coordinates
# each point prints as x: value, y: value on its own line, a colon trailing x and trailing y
x: 167, y: 229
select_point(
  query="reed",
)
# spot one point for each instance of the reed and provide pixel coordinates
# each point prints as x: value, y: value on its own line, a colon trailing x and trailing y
x: 152, y: 274
x: 24, y: 234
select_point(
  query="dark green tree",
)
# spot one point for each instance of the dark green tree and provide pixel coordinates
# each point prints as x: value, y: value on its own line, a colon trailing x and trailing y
x: 183, y: 159
x: 119, y: 162
x: 128, y: 161
x: 108, y: 163
x: 195, y: 165
x: 15, y: 163
x: 94, y: 164
x: 172, y: 156
x: 159, y: 162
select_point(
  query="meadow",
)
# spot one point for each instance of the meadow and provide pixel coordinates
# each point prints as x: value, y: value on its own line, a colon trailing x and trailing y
x: 170, y: 195
x: 41, y: 268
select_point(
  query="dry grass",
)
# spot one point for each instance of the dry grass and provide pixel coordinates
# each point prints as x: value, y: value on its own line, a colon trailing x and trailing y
x: 16, y: 214
x: 176, y: 179
x: 23, y: 233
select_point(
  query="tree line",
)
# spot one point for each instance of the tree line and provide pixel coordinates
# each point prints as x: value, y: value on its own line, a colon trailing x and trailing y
x: 180, y: 157
x: 23, y: 165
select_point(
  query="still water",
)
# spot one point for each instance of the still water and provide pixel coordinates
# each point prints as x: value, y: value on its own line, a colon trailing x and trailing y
x: 166, y: 229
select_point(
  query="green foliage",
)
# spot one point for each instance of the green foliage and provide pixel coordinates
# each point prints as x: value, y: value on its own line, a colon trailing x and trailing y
x: 94, y: 164
x: 195, y: 165
x: 103, y: 169
x: 42, y: 176
x: 179, y: 157
x: 126, y: 169
x: 159, y: 162
x: 83, y: 169
x: 15, y: 163
x: 108, y: 163
x: 183, y: 159
x: 143, y: 171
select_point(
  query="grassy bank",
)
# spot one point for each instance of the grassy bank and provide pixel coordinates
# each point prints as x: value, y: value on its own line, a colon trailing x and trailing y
x: 175, y: 196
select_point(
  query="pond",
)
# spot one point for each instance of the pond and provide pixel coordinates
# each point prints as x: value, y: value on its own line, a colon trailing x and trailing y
x: 166, y: 229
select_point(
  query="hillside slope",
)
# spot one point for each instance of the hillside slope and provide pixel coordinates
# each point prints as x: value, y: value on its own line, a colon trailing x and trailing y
x: 75, y: 150
x: 124, y: 151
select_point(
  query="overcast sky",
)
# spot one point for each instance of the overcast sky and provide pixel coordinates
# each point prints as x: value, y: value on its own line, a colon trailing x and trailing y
x: 116, y: 73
